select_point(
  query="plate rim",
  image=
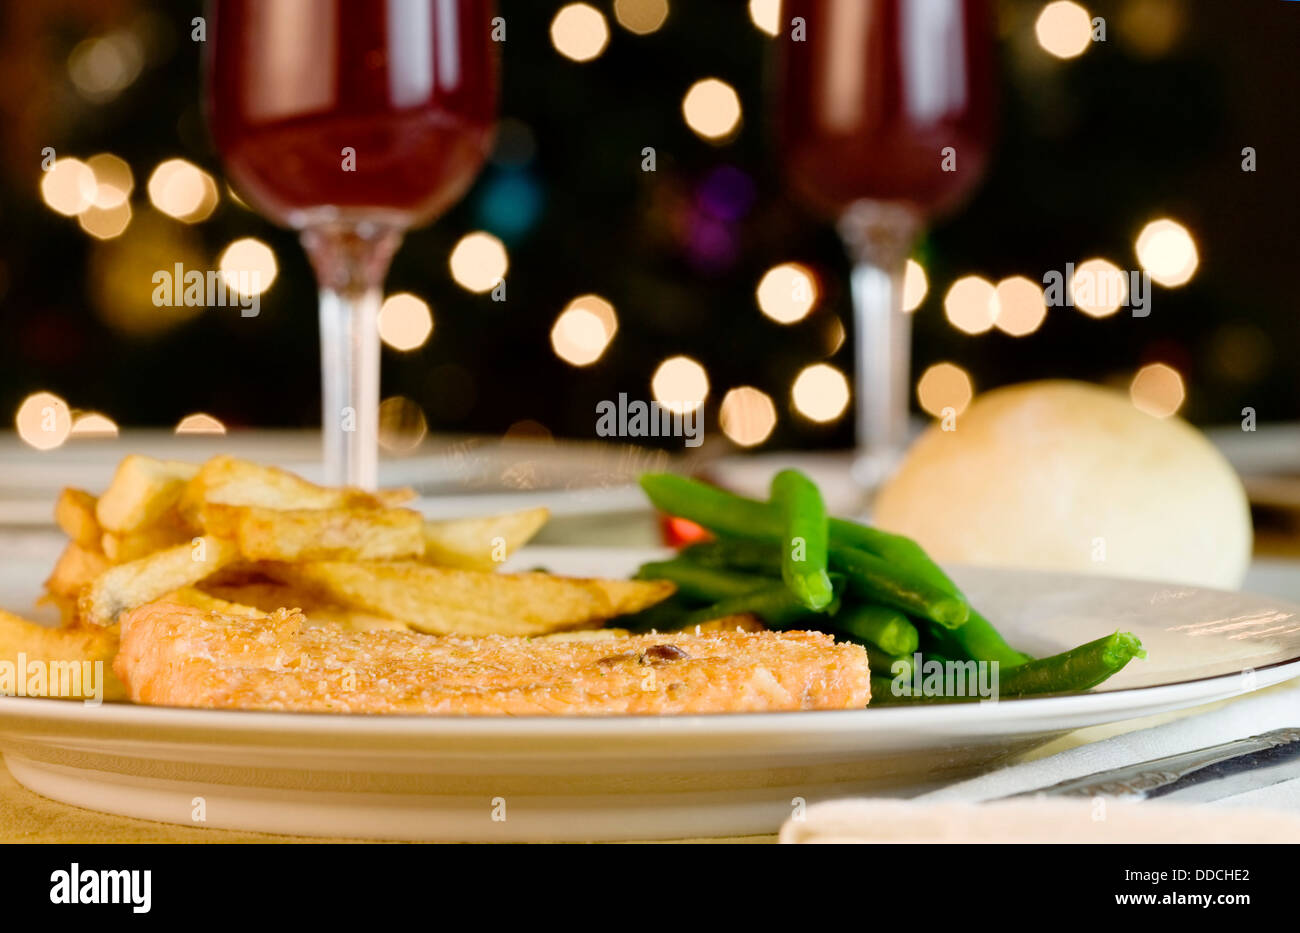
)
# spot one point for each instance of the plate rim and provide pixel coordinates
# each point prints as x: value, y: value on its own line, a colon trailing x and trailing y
x: 949, y: 715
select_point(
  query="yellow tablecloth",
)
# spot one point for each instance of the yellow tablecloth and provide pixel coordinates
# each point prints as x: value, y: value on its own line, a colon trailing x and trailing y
x: 29, y: 817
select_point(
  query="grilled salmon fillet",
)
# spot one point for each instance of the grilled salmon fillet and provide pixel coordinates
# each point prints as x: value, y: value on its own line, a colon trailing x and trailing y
x: 177, y: 655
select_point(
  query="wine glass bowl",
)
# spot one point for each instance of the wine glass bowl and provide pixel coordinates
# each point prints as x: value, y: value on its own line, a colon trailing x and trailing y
x: 886, y: 121
x: 877, y: 92
x: 351, y: 122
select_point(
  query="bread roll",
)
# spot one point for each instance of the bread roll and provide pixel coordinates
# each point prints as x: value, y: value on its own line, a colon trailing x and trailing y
x: 1069, y: 476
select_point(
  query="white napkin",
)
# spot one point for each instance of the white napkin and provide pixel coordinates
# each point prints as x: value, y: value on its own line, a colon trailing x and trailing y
x: 1250, y: 715
x: 948, y: 814
x: 1040, y: 820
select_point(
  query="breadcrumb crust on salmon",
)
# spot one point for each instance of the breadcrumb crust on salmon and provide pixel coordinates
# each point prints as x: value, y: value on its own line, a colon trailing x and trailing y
x: 177, y: 655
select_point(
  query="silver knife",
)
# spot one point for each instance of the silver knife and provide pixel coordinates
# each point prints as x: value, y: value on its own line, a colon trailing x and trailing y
x: 1194, y: 777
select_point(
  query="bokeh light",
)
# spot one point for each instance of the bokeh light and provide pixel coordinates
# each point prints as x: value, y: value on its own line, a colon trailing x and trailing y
x: 711, y: 108
x: 92, y: 424
x: 747, y: 415
x: 68, y: 186
x: 113, y: 180
x: 787, y: 293
x: 1021, y: 306
x: 478, y: 262
x: 766, y: 15
x: 248, y: 266
x: 820, y: 392
x: 1241, y: 351
x: 1158, y: 390
x: 43, y: 420
x: 579, y: 32
x: 971, y: 304
x: 207, y: 203
x: 915, y: 285
x: 200, y: 423
x: 1151, y: 28
x: 583, y: 330
x: 120, y: 275
x: 835, y: 336
x: 104, y: 66
x: 1064, y: 29
x: 944, y: 385
x: 1099, y: 287
x: 530, y: 431
x: 680, y: 384
x: 402, y: 425
x: 182, y: 190
x: 641, y: 16
x: 104, y: 223
x: 405, y: 321
x: 1167, y: 251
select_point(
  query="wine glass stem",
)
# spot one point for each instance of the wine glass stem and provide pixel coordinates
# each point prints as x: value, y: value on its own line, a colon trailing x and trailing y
x: 350, y: 264
x: 879, y: 237
x: 882, y: 355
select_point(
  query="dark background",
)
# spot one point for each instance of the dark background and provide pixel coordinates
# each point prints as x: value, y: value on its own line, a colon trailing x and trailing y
x: 1149, y: 124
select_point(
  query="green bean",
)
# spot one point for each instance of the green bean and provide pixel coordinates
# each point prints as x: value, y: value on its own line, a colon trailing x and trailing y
x: 884, y: 544
x: 937, y: 656
x: 882, y: 691
x: 705, y: 584
x: 877, y: 581
x: 663, y: 616
x: 803, y: 546
x: 885, y: 663
x: 874, y: 580
x: 977, y: 639
x: 774, y: 604
x: 982, y: 642
x: 725, y: 513
x: 736, y: 554
x: 884, y: 626
x: 717, y: 510
x: 728, y: 514
x: 1077, y: 669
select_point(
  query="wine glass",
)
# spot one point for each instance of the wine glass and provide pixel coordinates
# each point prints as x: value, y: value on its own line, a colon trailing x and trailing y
x: 886, y: 121
x: 351, y: 122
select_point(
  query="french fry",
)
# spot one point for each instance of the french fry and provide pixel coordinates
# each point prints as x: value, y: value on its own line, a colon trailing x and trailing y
x: 395, y: 496
x: 316, y: 534
x: 66, y: 607
x: 76, y: 567
x: 266, y: 597
x: 74, y: 512
x: 447, y: 601
x: 480, y: 543
x: 62, y: 654
x: 132, y: 584
x: 142, y: 493
x: 120, y: 548
x: 230, y: 481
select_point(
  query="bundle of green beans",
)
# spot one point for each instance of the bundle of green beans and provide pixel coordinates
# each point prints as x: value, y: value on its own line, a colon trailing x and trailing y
x: 788, y: 563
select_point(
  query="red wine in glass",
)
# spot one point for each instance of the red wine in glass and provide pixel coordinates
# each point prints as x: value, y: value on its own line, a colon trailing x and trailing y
x: 886, y: 121
x: 351, y: 121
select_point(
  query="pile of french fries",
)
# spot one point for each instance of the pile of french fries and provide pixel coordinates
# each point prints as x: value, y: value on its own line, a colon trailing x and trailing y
x: 237, y: 537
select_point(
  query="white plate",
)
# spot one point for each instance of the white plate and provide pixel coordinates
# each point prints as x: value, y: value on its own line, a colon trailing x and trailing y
x: 454, y: 475
x: 558, y: 778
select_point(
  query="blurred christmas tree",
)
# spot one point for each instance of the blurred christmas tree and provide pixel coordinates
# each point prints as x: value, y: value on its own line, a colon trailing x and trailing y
x: 1150, y: 124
